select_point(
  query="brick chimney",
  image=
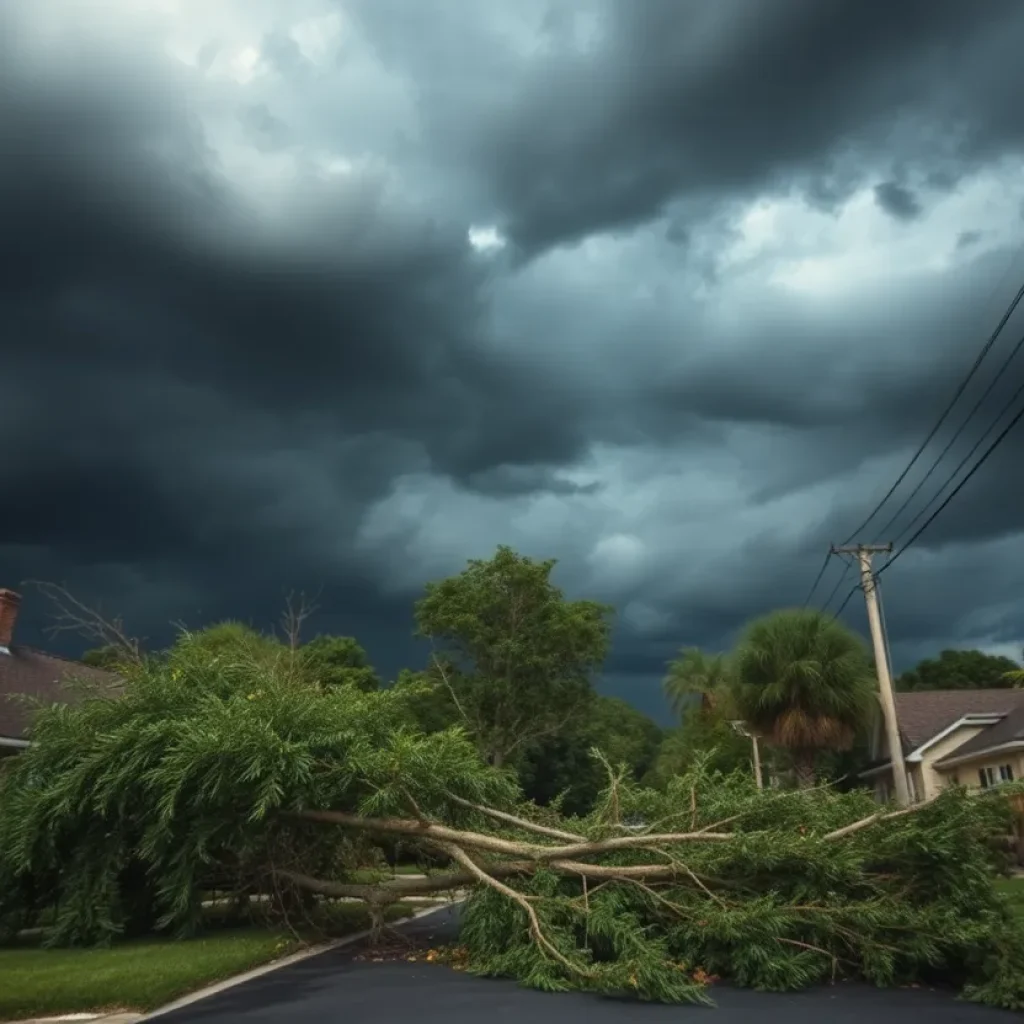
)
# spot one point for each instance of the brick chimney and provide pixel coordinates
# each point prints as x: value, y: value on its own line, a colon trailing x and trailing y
x: 9, y: 604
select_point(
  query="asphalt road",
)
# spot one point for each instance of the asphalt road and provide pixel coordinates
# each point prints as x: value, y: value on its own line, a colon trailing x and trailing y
x: 335, y: 987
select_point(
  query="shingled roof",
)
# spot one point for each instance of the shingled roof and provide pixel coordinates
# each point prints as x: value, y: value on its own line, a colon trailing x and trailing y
x: 26, y: 672
x: 1009, y: 730
x: 923, y: 714
x: 42, y: 677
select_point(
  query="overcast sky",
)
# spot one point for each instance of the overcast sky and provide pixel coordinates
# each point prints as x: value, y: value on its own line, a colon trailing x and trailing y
x: 337, y: 294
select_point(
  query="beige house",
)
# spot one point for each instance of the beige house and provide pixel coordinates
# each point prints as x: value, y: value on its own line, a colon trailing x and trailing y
x: 973, y: 738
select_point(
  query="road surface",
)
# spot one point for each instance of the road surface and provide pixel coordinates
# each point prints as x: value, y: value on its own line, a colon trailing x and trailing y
x: 335, y: 988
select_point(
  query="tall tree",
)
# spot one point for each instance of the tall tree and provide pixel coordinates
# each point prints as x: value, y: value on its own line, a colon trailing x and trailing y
x: 695, y: 673
x: 803, y: 681
x: 515, y: 655
x: 961, y: 670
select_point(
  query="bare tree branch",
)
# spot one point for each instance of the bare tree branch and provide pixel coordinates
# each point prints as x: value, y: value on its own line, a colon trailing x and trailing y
x: 511, y: 819
x: 463, y: 858
x: 297, y: 609
x: 70, y: 615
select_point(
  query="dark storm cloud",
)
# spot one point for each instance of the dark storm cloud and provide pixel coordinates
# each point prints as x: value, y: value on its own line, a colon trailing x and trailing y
x: 686, y: 97
x: 898, y: 200
x: 224, y: 375
x: 123, y: 242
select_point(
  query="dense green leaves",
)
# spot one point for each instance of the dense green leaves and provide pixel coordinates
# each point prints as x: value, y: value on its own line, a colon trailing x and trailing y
x: 707, y: 735
x: 803, y: 681
x: 562, y: 768
x: 962, y: 670
x: 516, y: 657
x: 338, y: 661
x: 188, y: 775
x: 780, y: 905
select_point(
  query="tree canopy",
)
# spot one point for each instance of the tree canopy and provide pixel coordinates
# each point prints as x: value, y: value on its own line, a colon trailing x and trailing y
x: 515, y: 656
x: 803, y: 680
x: 962, y: 670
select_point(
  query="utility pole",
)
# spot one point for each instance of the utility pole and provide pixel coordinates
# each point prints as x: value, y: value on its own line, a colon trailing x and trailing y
x: 888, y: 702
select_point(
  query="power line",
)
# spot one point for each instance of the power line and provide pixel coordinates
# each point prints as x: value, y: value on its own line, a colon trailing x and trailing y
x: 960, y: 465
x: 986, y: 348
x: 839, y: 582
x: 956, y: 490
x: 817, y: 579
x: 956, y: 435
x: 846, y: 600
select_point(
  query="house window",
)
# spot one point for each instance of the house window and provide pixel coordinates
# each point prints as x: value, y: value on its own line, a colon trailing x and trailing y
x: 955, y: 779
x: 1006, y: 773
x: 987, y: 777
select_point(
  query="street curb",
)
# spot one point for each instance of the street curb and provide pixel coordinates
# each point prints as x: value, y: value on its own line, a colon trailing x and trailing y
x: 118, y: 1017
x: 256, y: 972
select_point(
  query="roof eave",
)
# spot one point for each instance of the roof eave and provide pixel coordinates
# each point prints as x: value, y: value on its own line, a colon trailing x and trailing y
x: 977, y: 755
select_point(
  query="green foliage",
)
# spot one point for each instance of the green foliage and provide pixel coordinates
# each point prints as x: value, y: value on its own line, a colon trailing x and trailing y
x: 696, y: 673
x: 562, y: 768
x: 803, y: 681
x: 777, y: 906
x: 109, y: 657
x: 707, y: 736
x: 203, y: 774
x: 338, y: 661
x: 129, y: 808
x: 961, y: 670
x: 517, y: 655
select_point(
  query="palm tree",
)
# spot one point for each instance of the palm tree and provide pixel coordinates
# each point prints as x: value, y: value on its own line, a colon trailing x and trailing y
x: 803, y: 681
x: 696, y: 673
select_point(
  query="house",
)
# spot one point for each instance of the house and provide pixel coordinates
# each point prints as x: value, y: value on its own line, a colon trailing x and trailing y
x: 35, y: 674
x: 973, y: 738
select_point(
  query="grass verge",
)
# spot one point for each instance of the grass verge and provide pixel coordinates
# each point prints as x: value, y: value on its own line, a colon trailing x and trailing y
x: 144, y: 974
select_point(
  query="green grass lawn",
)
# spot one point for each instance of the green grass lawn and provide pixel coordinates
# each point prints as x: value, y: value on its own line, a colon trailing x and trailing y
x: 376, y: 874
x: 145, y: 974
x: 1013, y: 889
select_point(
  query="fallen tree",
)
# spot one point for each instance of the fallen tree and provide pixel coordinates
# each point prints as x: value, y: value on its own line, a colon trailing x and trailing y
x: 125, y: 810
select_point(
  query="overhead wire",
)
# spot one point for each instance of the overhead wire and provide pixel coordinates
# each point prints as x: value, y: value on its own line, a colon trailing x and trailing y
x: 846, y: 600
x: 959, y: 487
x: 956, y: 436
x: 839, y: 582
x: 986, y: 348
x: 817, y: 579
x: 960, y: 465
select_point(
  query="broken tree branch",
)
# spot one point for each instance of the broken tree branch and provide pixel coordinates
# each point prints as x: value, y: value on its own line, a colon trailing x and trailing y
x: 482, y: 876
x: 511, y: 819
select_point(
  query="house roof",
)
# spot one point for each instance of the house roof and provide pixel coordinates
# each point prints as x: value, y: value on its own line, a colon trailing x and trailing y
x: 1008, y: 730
x: 40, y: 676
x: 924, y: 713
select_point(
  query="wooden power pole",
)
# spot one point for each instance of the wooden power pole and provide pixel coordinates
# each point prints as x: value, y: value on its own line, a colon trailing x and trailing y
x: 888, y: 702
